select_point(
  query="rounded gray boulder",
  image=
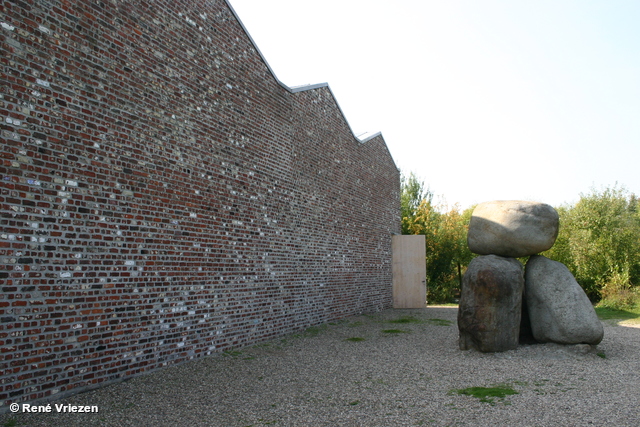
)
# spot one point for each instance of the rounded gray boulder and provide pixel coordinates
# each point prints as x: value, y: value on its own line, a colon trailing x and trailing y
x: 559, y: 309
x: 512, y: 228
x: 490, y: 304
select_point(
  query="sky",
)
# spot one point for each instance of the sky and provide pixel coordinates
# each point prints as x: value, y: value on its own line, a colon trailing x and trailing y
x: 481, y: 100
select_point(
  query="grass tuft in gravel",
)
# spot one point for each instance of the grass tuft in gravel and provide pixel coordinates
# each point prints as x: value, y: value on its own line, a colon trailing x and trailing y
x: 406, y: 319
x: 487, y: 394
x: 394, y: 331
x: 440, y: 322
x: 314, y: 331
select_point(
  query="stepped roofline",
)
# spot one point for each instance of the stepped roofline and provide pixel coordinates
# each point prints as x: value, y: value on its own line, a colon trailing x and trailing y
x: 302, y: 88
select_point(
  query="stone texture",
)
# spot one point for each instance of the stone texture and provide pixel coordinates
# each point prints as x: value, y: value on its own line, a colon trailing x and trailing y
x: 490, y: 304
x: 512, y: 228
x: 559, y: 309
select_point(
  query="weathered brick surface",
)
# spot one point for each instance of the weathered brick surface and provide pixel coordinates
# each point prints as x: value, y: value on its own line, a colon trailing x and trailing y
x: 163, y: 197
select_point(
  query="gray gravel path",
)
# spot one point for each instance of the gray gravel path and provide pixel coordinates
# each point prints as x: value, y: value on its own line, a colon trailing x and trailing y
x: 408, y: 378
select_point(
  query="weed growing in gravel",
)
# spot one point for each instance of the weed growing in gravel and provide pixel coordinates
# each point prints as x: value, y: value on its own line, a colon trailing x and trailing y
x: 405, y: 319
x: 602, y: 355
x: 264, y: 345
x: 11, y: 422
x: 487, y: 394
x: 394, y: 331
x: 440, y: 322
x: 355, y: 339
x: 314, y: 331
x: 412, y: 319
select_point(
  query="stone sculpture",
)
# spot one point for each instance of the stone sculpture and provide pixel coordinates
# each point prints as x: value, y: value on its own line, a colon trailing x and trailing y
x: 492, y: 304
x: 559, y: 310
x: 512, y: 228
x: 489, y: 312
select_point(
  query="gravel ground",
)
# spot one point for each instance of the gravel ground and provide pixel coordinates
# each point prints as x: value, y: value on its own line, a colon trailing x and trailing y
x: 408, y: 378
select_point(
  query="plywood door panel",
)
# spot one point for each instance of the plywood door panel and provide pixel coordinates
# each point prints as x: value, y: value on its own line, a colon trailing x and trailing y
x: 409, y: 271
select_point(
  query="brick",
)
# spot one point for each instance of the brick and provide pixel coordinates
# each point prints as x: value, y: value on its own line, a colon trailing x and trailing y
x: 163, y: 195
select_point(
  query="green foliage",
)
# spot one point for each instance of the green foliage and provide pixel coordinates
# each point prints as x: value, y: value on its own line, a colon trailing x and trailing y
x: 598, y: 242
x: 618, y: 293
x: 440, y: 322
x: 445, y: 231
x: 411, y: 196
x: 488, y: 394
x: 313, y: 331
x: 628, y: 316
x: 607, y: 313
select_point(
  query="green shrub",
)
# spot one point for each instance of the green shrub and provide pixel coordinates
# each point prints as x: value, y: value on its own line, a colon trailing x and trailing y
x: 617, y: 293
x: 443, y: 292
x: 598, y: 242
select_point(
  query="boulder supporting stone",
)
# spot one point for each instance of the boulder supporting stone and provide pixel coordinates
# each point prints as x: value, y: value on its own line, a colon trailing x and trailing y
x: 559, y: 309
x: 490, y: 304
x: 512, y: 228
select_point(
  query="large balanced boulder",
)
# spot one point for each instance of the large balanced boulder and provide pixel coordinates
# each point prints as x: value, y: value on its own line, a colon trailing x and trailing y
x: 490, y: 304
x: 559, y: 309
x: 512, y: 228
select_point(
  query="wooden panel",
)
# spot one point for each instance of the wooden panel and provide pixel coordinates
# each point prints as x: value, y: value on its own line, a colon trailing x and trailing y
x: 409, y: 271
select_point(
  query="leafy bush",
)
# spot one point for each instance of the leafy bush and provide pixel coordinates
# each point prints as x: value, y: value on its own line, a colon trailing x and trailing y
x: 599, y: 242
x: 445, y: 231
x: 618, y: 294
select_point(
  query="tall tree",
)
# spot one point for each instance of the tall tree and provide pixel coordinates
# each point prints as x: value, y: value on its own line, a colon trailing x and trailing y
x: 412, y: 194
x: 445, y: 232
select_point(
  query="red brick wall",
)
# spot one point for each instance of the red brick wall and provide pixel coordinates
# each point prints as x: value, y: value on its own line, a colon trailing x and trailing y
x: 164, y: 197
